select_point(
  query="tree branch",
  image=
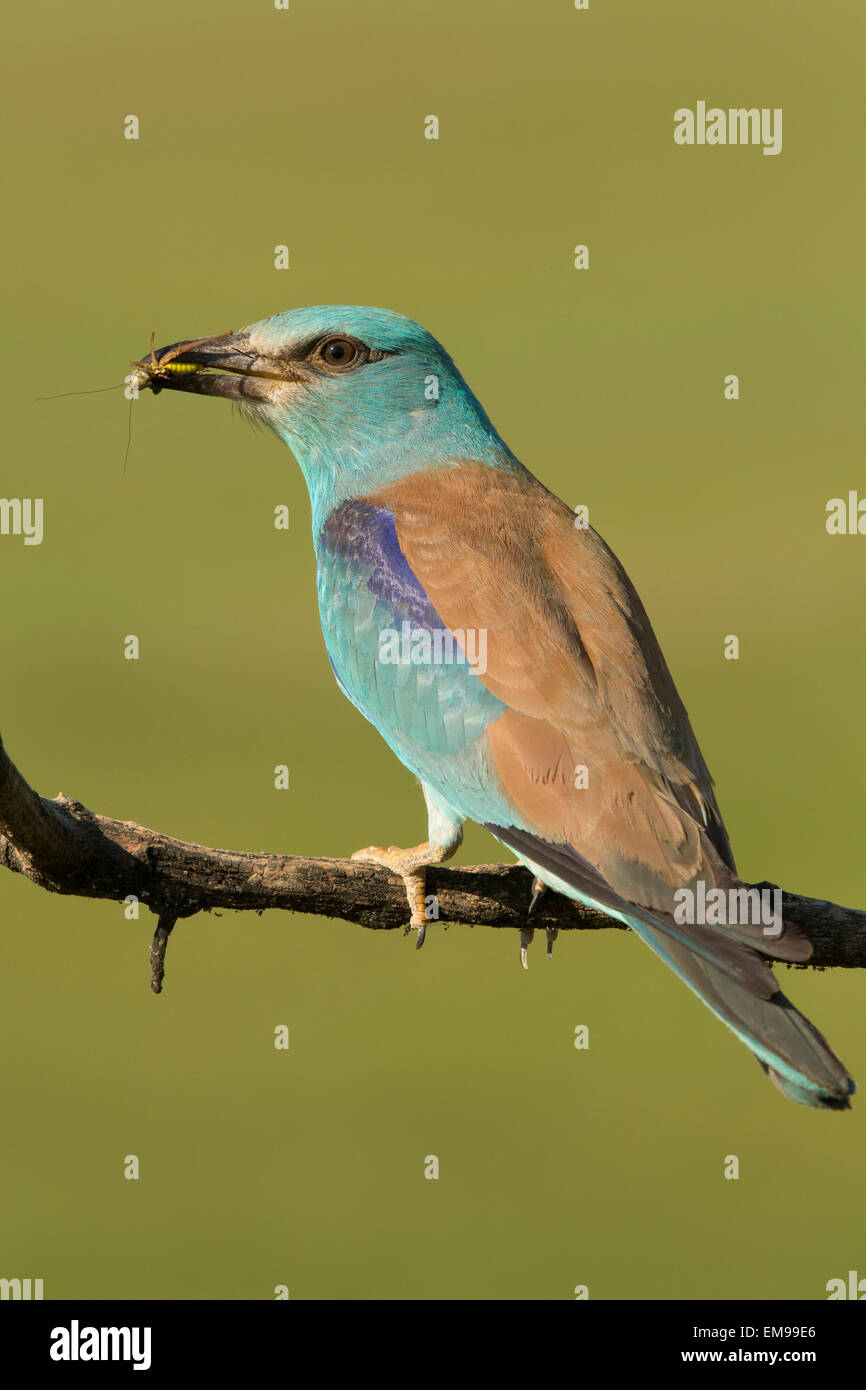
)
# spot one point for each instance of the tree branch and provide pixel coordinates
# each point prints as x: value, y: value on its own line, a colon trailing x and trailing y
x: 63, y: 847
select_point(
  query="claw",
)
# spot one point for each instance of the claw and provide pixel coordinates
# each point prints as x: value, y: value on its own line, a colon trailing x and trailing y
x: 552, y: 934
x: 538, y: 891
x: 526, y: 935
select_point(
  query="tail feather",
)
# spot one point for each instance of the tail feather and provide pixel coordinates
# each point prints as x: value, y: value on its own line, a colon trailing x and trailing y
x: 725, y: 971
x: 790, y: 1049
x: 802, y: 1096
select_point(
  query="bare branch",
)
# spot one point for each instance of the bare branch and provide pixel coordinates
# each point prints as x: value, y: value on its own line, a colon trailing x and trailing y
x: 65, y: 848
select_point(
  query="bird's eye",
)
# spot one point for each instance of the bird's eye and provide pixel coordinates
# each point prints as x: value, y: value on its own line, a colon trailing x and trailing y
x: 339, y: 352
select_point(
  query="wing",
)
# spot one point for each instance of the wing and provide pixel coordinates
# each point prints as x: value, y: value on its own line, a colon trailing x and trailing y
x: 585, y: 692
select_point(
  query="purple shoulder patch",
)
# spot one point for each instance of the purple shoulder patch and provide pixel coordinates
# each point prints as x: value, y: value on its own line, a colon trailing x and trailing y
x: 364, y: 536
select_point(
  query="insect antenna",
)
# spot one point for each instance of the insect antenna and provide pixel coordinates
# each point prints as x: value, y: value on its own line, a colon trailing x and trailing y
x: 97, y: 391
x: 128, y: 436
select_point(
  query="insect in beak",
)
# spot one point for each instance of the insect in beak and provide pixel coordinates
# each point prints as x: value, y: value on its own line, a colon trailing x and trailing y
x: 149, y: 370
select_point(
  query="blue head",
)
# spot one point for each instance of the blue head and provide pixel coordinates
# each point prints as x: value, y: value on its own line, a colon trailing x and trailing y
x: 361, y: 396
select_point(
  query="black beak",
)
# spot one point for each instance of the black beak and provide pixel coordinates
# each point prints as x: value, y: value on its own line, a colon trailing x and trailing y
x: 224, y: 365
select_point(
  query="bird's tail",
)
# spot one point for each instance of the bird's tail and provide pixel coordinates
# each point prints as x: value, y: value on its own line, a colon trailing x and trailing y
x: 796, y: 1057
x: 722, y: 968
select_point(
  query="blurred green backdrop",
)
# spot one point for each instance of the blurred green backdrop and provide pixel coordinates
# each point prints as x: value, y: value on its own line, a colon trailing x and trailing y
x: 305, y: 127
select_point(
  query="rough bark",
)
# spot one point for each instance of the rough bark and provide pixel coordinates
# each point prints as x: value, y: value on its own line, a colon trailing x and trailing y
x: 65, y: 848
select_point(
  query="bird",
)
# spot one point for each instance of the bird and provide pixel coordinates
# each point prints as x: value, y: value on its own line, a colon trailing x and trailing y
x: 497, y: 646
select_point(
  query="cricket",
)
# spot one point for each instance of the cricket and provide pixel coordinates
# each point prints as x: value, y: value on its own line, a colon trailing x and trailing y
x: 150, y: 369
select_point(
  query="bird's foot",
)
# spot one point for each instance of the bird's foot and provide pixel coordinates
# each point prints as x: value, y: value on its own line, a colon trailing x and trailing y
x: 410, y: 866
x: 526, y: 934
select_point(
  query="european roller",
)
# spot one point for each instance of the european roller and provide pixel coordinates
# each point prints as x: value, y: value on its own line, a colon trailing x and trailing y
x: 498, y: 647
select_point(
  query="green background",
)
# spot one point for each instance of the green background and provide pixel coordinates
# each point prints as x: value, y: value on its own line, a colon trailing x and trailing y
x: 305, y: 127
